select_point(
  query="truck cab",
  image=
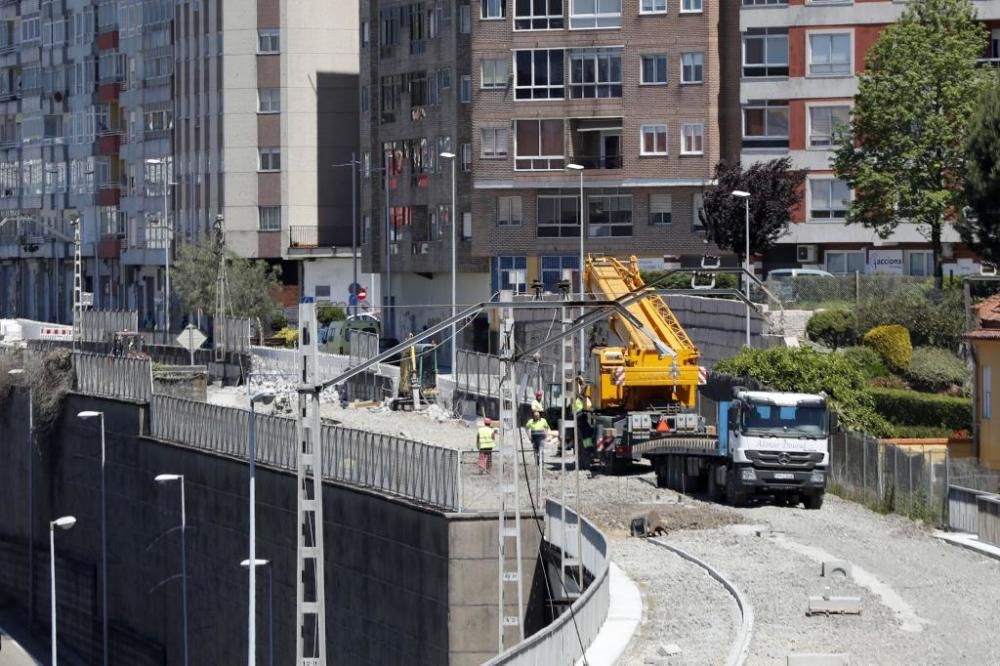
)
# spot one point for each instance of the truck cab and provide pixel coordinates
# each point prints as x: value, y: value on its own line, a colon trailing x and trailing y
x: 778, y: 444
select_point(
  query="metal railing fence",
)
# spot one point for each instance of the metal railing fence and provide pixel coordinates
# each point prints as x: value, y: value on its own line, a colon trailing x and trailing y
x: 98, y: 325
x: 364, y: 346
x: 230, y: 334
x: 560, y: 642
x: 111, y: 377
x: 481, y: 374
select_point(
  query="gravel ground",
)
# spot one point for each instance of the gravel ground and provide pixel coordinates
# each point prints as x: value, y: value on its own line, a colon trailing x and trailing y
x: 923, y: 601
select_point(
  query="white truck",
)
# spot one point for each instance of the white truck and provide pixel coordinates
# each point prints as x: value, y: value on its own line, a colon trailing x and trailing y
x: 763, y: 444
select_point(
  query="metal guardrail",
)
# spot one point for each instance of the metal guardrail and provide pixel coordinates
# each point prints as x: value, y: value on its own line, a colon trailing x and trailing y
x: 394, y: 465
x: 480, y: 374
x: 565, y: 638
x: 988, y: 527
x: 963, y: 511
x: 107, y: 376
x: 98, y: 325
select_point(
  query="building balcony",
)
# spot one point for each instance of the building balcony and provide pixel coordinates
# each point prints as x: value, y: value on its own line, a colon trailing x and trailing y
x: 308, y: 237
x: 109, y: 195
x: 597, y: 142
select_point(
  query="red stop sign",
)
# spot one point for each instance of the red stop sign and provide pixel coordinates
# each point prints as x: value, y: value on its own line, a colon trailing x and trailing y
x: 362, y: 293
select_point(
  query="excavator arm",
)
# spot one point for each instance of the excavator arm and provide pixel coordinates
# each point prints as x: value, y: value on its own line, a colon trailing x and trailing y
x: 657, y: 363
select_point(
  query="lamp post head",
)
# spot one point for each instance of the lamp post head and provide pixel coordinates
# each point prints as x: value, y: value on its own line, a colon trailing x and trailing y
x: 258, y: 562
x: 89, y: 415
x: 167, y: 478
x: 448, y: 156
x: 740, y: 193
x: 265, y: 397
x: 63, y: 523
x: 575, y: 167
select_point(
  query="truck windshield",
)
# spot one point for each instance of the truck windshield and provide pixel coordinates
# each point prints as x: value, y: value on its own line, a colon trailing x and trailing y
x: 786, y: 421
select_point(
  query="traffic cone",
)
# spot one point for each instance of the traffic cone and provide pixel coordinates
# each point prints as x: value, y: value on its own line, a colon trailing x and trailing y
x: 663, y: 426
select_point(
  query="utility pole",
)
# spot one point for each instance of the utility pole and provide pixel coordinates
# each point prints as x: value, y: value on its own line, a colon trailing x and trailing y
x: 221, y: 289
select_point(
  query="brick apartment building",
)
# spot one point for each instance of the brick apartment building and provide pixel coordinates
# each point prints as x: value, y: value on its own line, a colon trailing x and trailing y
x: 520, y: 90
x: 798, y: 73
x: 130, y: 113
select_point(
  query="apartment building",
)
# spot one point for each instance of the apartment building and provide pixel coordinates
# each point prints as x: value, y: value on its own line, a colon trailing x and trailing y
x: 520, y: 90
x: 147, y: 119
x: 799, y: 68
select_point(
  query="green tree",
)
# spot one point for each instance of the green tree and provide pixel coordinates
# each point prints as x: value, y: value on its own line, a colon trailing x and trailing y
x: 774, y: 190
x: 981, y: 229
x: 251, y: 282
x: 904, y: 153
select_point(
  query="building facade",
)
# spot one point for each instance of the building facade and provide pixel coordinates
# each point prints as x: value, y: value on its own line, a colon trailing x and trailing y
x: 798, y: 77
x: 519, y: 91
x: 148, y: 119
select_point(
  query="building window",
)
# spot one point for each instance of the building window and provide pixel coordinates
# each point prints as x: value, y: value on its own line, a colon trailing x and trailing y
x: 494, y: 9
x: 653, y: 6
x: 509, y: 273
x: 609, y: 215
x: 464, y: 19
x: 765, y: 124
x: 765, y: 52
x: 364, y: 99
x: 366, y: 163
x: 268, y: 41
x: 654, y: 70
x: 270, y: 159
x: 466, y: 93
x: 508, y: 211
x: 269, y: 218
x: 830, y: 54
x: 829, y: 198
x: 365, y: 34
x: 493, y: 143
x: 269, y: 100
x: 538, y: 15
x: 392, y: 87
x: 660, y: 205
x: 444, y: 78
x: 920, y: 263
x: 31, y: 29
x: 764, y: 3
x: 539, y: 74
x: 987, y: 393
x: 553, y: 269
x: 697, y: 207
x: 845, y: 263
x: 539, y: 145
x: 466, y: 225
x: 466, y: 157
x: 558, y: 216
x: 595, y: 73
x: 692, y: 67
x: 654, y: 140
x: 494, y: 72
x: 824, y: 121
x: 691, y: 6
x: 692, y: 139
x: 595, y: 14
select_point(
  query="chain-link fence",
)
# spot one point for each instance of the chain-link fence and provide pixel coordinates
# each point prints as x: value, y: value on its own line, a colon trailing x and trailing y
x: 812, y: 293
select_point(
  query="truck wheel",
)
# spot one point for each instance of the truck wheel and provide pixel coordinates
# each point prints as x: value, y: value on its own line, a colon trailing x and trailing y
x: 714, y: 495
x: 813, y: 502
x: 733, y: 495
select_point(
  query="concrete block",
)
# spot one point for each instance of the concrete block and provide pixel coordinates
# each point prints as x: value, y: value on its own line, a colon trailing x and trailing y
x: 818, y: 659
x: 827, y: 605
x: 833, y: 568
x: 668, y: 650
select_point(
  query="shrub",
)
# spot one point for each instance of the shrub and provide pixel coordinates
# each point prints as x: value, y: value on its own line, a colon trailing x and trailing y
x: 889, y: 382
x: 808, y: 371
x: 279, y: 322
x: 867, y: 360
x: 920, y: 432
x: 683, y: 280
x: 910, y: 408
x: 833, y: 328
x: 289, y: 335
x: 327, y: 313
x: 933, y: 318
x: 934, y: 369
x: 892, y: 342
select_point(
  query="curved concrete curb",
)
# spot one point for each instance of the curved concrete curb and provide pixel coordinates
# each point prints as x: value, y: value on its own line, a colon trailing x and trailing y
x: 624, y: 615
x: 741, y: 646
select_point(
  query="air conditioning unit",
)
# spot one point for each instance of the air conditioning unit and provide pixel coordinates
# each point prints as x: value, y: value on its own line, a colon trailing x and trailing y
x: 805, y: 254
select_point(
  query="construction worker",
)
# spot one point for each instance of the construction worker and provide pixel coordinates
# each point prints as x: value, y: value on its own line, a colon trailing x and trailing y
x: 538, y: 428
x: 485, y: 441
x: 537, y: 405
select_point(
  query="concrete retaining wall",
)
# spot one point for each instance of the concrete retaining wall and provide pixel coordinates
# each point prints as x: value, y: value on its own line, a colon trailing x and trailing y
x: 392, y: 575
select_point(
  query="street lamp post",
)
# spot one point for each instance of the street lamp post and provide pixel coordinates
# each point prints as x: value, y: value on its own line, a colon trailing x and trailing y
x: 746, y: 261
x: 583, y: 232
x: 104, y: 533
x: 31, y: 499
x: 454, y: 261
x: 270, y: 605
x: 63, y: 523
x: 263, y: 397
x: 169, y: 478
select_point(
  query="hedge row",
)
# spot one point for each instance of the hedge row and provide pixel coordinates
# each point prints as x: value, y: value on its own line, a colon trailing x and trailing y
x: 909, y: 408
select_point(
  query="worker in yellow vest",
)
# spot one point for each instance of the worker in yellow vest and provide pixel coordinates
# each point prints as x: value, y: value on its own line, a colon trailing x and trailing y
x: 538, y: 429
x: 485, y: 441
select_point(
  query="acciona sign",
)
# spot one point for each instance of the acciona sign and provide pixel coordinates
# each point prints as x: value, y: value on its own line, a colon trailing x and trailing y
x: 885, y: 261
